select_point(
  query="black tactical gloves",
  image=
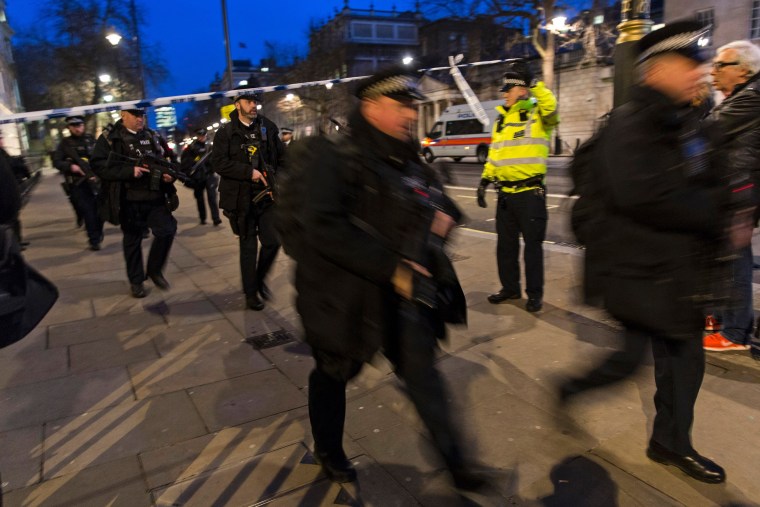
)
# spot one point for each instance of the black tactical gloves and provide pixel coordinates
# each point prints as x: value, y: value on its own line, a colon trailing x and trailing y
x: 482, y: 192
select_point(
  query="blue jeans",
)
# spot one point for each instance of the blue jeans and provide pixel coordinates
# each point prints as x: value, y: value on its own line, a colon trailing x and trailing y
x: 738, y: 319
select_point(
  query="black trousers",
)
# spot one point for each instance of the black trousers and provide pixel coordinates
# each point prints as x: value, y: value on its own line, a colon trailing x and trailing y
x: 136, y: 216
x: 254, y: 266
x: 522, y: 213
x: 210, y: 189
x: 412, y: 353
x: 679, y: 367
x: 85, y: 201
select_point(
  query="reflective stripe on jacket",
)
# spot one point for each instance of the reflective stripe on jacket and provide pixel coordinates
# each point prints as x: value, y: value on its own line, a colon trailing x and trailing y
x: 519, y: 148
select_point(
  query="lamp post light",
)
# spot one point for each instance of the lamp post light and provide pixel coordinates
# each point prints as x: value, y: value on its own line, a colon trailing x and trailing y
x: 558, y: 25
x: 635, y: 24
x: 113, y: 38
x: 105, y: 78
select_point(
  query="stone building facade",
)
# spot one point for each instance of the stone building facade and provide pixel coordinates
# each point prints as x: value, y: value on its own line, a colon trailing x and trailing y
x: 731, y: 19
x: 14, y: 137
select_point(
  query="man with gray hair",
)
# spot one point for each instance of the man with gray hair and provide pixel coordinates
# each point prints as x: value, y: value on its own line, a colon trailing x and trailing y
x: 736, y: 73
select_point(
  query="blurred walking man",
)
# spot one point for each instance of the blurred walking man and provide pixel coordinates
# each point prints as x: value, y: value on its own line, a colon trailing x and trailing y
x: 664, y: 230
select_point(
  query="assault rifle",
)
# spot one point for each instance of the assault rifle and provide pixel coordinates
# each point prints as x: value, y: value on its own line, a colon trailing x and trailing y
x: 158, y: 167
x: 89, y: 176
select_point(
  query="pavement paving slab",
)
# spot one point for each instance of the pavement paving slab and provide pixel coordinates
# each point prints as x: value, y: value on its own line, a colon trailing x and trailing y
x: 99, y: 436
x: 116, y: 484
x: 228, y: 447
x: 246, y: 398
x: 45, y: 401
x: 21, y: 457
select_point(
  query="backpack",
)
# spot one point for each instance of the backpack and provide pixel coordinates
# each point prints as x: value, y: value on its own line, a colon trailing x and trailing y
x: 588, y: 214
x: 292, y: 191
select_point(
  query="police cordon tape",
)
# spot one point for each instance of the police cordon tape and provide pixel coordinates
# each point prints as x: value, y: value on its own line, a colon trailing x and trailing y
x: 195, y: 97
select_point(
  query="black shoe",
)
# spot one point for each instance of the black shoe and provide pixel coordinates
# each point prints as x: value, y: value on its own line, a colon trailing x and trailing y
x: 94, y: 247
x: 217, y: 221
x: 502, y: 296
x: 337, y: 470
x: 265, y: 293
x: 755, y: 353
x: 534, y: 305
x: 694, y: 465
x: 254, y: 303
x: 137, y: 289
x: 159, y: 281
x: 203, y: 222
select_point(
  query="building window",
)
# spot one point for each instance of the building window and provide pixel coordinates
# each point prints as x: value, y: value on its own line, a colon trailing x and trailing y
x: 407, y: 33
x: 707, y: 18
x: 384, y: 31
x: 361, y: 30
x: 754, y: 30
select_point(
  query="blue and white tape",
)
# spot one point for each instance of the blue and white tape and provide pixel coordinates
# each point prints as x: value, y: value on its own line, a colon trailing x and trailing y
x: 196, y: 97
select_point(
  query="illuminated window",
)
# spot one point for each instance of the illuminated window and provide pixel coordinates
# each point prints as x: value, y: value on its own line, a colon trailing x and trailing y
x: 754, y: 30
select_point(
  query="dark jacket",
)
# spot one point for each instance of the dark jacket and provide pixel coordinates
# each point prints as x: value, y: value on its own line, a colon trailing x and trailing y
x: 113, y: 162
x: 362, y: 216
x: 10, y: 197
x: 737, y: 119
x: 231, y: 160
x: 73, y: 150
x: 665, y: 213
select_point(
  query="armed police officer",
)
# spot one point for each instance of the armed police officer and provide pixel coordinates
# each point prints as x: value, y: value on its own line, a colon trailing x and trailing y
x: 136, y: 197
x: 246, y: 154
x: 203, y: 180
x: 516, y: 165
x: 72, y: 158
x: 371, y: 268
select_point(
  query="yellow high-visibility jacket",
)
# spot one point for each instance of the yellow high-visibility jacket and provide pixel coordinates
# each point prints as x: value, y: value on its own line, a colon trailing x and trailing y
x: 519, y: 147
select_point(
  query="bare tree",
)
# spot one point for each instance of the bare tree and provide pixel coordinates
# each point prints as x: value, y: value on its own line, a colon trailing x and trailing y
x: 60, y: 62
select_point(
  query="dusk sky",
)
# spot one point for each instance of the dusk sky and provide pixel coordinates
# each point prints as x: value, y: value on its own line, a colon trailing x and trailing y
x: 191, y: 35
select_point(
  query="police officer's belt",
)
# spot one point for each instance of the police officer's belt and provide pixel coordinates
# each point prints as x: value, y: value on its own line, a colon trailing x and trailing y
x: 533, y: 181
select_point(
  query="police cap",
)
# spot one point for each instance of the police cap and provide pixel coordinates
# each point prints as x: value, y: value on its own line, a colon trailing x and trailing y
x: 680, y: 37
x: 74, y: 120
x: 512, y: 79
x: 247, y: 93
x: 200, y: 132
x: 286, y: 130
x: 395, y: 82
x: 135, y: 111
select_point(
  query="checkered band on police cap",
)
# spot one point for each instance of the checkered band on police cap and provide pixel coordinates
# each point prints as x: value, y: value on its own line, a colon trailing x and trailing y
x: 394, y: 82
x: 680, y: 37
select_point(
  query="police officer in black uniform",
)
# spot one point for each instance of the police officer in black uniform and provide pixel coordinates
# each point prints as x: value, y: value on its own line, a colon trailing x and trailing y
x: 246, y: 154
x: 135, y: 198
x: 72, y: 158
x: 196, y: 164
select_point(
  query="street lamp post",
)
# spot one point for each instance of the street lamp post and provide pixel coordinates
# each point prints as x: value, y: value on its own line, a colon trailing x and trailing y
x: 634, y: 25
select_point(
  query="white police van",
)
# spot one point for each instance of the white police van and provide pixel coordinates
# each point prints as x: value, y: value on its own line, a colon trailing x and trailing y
x: 458, y: 133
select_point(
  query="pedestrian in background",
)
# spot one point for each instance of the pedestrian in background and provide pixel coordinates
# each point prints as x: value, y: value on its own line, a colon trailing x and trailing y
x: 286, y: 135
x: 736, y: 74
x: 72, y: 158
x: 246, y: 154
x: 134, y: 199
x: 203, y: 180
x: 670, y: 217
x: 516, y: 165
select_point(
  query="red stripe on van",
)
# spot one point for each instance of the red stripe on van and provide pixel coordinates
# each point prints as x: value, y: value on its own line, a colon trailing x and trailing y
x: 460, y: 142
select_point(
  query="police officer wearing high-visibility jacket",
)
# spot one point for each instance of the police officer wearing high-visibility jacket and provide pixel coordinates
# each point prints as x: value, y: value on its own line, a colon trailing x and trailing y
x: 516, y: 165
